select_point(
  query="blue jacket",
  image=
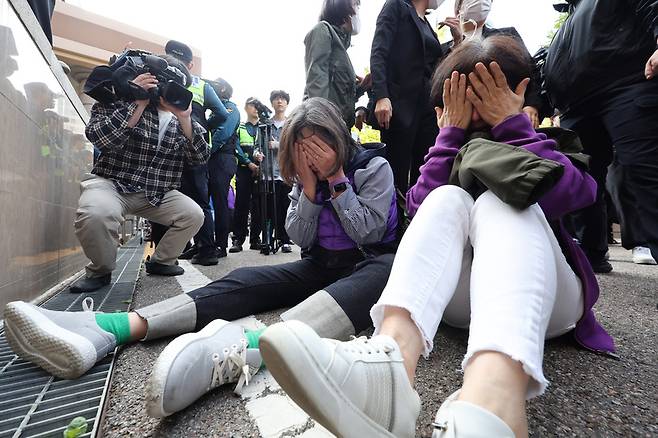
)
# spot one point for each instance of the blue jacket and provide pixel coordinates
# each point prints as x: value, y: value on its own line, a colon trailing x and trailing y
x: 226, y: 128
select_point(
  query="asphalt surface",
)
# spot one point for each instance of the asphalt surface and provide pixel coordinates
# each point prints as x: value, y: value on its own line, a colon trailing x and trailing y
x: 589, y: 395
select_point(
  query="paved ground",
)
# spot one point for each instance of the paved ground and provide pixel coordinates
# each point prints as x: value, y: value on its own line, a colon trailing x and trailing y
x: 590, y: 395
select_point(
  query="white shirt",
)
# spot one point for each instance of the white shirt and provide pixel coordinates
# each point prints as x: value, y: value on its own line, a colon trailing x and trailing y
x: 164, y: 117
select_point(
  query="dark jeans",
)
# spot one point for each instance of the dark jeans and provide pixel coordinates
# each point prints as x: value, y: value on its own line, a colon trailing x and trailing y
x: 406, y: 149
x: 247, y: 291
x: 627, y: 118
x: 246, y: 201
x: 221, y: 168
x: 194, y: 183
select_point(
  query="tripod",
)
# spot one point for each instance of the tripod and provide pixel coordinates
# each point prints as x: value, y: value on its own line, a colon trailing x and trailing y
x: 270, y: 240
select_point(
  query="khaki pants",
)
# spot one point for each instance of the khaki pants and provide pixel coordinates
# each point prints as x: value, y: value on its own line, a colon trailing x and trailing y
x: 100, y: 212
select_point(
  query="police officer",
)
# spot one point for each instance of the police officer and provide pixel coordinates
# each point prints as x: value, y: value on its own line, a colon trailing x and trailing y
x: 194, y: 181
x: 601, y: 74
x: 222, y: 164
x: 246, y: 197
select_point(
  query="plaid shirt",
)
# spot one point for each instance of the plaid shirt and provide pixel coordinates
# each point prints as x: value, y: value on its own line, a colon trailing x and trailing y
x: 131, y: 157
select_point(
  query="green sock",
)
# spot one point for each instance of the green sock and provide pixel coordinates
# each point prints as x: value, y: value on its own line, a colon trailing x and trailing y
x: 115, y: 323
x: 253, y: 336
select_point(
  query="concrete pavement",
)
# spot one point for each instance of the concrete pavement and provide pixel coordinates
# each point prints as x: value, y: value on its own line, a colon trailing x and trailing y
x: 590, y: 395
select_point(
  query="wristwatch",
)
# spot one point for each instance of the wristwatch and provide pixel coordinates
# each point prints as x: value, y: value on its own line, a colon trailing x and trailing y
x: 338, y: 186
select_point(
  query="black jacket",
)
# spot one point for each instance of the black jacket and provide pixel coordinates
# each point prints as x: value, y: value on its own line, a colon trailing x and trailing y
x: 603, y: 45
x: 533, y: 92
x: 397, y: 62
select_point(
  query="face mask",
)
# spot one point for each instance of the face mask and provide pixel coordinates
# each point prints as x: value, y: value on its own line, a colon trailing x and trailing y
x: 434, y: 4
x: 476, y: 10
x: 356, y: 23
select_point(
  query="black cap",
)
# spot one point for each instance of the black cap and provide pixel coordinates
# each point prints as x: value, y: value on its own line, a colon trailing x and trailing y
x: 561, y: 7
x: 179, y: 50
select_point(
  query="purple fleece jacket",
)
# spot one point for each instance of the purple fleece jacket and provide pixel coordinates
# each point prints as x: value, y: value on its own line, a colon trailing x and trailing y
x: 575, y: 190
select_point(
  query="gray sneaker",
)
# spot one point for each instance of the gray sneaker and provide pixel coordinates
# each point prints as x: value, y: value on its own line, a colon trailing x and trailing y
x: 66, y: 344
x: 354, y: 389
x: 195, y: 363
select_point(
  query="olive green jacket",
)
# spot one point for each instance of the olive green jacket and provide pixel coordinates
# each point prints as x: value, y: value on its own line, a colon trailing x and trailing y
x: 514, y: 174
x: 329, y: 70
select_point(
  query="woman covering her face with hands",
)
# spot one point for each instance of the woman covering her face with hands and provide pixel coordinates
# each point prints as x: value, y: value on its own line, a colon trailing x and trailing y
x: 512, y: 277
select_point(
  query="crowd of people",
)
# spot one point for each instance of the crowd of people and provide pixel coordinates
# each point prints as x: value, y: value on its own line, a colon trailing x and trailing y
x: 461, y: 209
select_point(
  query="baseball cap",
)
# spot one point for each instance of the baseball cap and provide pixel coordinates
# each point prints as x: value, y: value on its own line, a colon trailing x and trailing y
x: 179, y: 50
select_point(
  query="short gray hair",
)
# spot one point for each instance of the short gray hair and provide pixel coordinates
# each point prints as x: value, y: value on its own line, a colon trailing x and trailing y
x: 326, y: 120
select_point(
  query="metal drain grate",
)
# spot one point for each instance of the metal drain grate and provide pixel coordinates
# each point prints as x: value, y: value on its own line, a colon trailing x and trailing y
x: 35, y: 404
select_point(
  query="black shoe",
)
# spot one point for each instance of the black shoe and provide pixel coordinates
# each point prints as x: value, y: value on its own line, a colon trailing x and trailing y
x: 286, y: 249
x: 155, y: 268
x: 90, y: 284
x: 187, y: 255
x: 254, y: 244
x: 205, y: 260
x: 237, y: 247
x: 601, y: 266
x: 221, y: 253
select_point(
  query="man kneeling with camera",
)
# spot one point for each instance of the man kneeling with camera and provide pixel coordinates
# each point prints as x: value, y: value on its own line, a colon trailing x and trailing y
x: 144, y: 142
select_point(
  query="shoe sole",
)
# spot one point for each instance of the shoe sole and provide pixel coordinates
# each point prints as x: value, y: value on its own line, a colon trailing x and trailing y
x: 76, y: 290
x: 155, y: 385
x: 205, y: 262
x: 644, y: 262
x: 36, y: 338
x: 166, y: 274
x: 316, y: 394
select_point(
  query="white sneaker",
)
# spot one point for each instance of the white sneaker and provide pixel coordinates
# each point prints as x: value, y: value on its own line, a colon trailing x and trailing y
x: 354, y: 389
x: 460, y: 419
x: 642, y: 256
x: 196, y: 363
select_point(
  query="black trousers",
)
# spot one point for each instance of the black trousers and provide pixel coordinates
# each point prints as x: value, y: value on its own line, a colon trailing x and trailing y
x: 626, y: 117
x: 406, y: 149
x: 221, y: 168
x: 246, y: 201
x: 247, y: 291
x: 281, y: 191
x: 194, y: 183
x: 625, y: 203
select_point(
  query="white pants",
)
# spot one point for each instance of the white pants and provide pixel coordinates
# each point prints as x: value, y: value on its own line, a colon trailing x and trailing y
x: 487, y: 266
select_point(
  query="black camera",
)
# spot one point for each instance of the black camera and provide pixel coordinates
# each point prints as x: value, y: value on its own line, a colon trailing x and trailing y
x: 263, y: 111
x: 107, y: 84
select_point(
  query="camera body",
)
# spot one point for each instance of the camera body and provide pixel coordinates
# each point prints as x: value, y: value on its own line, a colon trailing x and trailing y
x: 110, y: 83
x: 263, y: 111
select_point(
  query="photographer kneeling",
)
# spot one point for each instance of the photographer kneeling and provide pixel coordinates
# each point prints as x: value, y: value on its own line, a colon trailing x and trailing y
x: 143, y: 145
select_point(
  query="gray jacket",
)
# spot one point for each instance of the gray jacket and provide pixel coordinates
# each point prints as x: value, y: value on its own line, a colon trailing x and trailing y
x: 272, y: 154
x: 329, y: 70
x: 363, y: 214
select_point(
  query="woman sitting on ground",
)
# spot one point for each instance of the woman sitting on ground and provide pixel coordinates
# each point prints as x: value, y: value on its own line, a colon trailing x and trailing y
x: 513, y: 277
x: 342, y: 214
